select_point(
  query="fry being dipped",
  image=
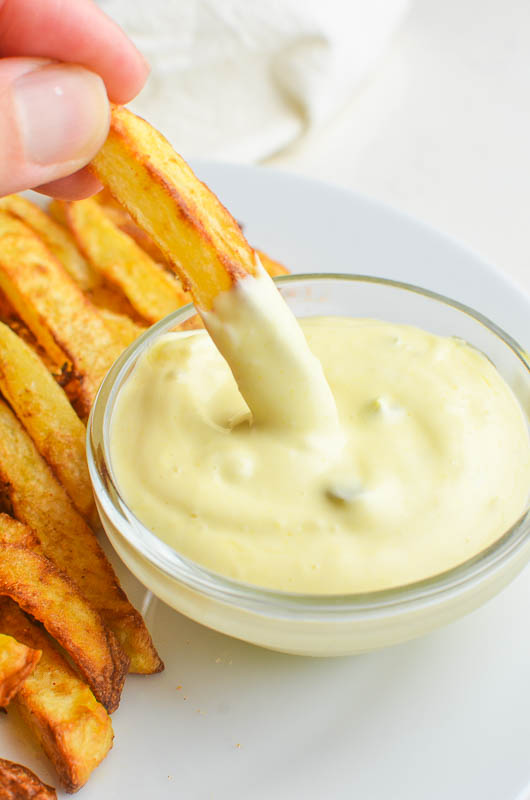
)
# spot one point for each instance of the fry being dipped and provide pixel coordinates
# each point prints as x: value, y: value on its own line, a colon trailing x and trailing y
x: 304, y: 473
x: 207, y: 249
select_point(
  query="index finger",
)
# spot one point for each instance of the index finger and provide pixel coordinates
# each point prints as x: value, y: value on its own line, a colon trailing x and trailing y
x: 76, y: 31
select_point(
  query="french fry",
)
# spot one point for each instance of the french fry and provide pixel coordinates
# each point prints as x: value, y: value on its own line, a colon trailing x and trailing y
x: 40, y: 589
x: 124, y: 329
x: 45, y: 411
x: 16, y: 662
x: 152, y: 292
x: 32, y: 494
x: 58, y: 240
x: 73, y: 729
x: 10, y: 318
x: 198, y: 236
x: 20, y: 783
x: 123, y: 220
x: 56, y: 211
x: 54, y: 308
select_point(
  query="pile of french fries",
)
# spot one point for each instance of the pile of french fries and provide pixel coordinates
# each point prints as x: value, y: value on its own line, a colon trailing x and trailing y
x: 77, y: 286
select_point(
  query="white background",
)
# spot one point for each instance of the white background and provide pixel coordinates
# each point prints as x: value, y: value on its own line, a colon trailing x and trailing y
x: 441, y: 130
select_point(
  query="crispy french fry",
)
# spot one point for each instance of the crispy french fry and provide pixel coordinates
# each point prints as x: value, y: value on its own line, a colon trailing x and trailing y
x: 110, y: 298
x: 20, y: 783
x: 73, y: 729
x: 16, y: 662
x: 54, y: 308
x: 198, y: 236
x: 45, y: 411
x: 40, y: 589
x: 56, y: 211
x: 151, y: 290
x: 33, y: 495
x: 10, y: 318
x: 124, y: 329
x: 55, y: 237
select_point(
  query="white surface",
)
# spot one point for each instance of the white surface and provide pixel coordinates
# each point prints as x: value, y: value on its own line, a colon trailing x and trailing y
x: 240, y: 79
x: 446, y: 716
x: 442, y: 128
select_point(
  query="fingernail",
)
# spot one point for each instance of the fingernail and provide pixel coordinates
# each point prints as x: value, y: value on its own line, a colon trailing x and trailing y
x: 63, y: 114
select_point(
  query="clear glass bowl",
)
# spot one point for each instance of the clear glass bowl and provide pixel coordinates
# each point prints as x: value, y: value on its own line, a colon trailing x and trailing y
x: 321, y: 625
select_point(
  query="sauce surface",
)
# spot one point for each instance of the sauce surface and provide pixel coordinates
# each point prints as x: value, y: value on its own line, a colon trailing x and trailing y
x: 421, y: 460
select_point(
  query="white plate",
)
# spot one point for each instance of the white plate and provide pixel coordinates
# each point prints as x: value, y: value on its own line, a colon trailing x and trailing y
x: 446, y: 716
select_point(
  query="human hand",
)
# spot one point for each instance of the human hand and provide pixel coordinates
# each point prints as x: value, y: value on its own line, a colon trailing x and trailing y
x: 61, y: 61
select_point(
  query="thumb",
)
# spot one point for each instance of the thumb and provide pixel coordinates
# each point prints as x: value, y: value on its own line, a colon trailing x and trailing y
x: 53, y: 118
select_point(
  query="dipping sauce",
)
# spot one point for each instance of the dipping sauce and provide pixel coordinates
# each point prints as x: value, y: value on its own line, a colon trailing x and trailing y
x: 418, y: 458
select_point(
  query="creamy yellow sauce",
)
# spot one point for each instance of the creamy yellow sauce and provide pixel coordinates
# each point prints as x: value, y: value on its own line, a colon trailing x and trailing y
x: 407, y: 458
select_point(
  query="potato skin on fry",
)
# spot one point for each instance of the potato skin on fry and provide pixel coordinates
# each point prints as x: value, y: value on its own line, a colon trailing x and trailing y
x: 40, y: 589
x: 54, y: 308
x: 16, y: 662
x: 20, y: 783
x: 45, y: 411
x: 198, y: 236
x: 32, y: 493
x: 73, y: 729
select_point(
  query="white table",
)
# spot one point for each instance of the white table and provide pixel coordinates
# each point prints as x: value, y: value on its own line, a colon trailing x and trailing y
x: 442, y: 128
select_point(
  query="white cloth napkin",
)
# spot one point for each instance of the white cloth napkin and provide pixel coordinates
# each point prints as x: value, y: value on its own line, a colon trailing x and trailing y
x: 241, y: 79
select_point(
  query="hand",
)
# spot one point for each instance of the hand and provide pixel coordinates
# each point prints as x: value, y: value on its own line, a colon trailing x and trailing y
x: 54, y: 116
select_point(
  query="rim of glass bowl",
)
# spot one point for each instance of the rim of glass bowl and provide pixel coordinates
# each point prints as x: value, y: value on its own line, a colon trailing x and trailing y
x: 270, y: 602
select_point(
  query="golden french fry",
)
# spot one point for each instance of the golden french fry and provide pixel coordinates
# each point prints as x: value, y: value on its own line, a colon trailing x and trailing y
x: 34, y: 496
x: 40, y: 589
x: 45, y: 411
x: 10, y: 318
x: 54, y: 308
x: 16, y: 662
x: 198, y: 236
x: 73, y: 729
x: 123, y: 220
x: 124, y: 329
x: 20, y: 783
x: 151, y: 290
x: 56, y: 211
x: 58, y: 240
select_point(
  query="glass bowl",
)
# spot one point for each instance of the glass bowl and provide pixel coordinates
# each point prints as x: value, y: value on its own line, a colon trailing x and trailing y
x: 318, y: 625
